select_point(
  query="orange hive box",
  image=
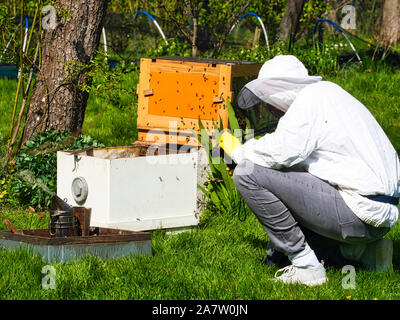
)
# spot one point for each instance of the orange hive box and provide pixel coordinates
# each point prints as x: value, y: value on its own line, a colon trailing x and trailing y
x: 174, y: 92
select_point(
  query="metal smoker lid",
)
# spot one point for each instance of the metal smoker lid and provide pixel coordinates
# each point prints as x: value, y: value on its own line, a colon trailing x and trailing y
x: 80, y: 190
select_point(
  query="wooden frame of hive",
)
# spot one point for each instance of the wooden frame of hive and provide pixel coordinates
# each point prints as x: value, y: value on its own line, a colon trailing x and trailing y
x: 174, y: 92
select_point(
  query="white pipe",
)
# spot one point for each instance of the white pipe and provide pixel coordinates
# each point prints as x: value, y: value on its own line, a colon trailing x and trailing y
x: 352, y: 47
x: 340, y: 30
x: 265, y: 32
x: 25, y: 40
x: 105, y: 42
x: 154, y: 21
x: 261, y: 23
x: 23, y: 47
x: 161, y: 32
x: 8, y: 44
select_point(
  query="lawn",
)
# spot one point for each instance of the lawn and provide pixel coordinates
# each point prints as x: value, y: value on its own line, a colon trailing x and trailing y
x: 219, y: 259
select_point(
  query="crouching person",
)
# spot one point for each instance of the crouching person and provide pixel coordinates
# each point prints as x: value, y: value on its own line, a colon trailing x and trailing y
x: 326, y: 178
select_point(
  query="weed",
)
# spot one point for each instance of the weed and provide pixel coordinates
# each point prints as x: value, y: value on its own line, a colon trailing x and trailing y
x: 34, y: 178
x: 220, y: 189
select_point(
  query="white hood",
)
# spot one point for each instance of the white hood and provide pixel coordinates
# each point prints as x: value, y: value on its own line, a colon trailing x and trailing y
x: 279, y: 81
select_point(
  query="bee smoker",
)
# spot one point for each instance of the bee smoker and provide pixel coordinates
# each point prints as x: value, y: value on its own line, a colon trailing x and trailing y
x: 67, y: 221
x: 62, y: 219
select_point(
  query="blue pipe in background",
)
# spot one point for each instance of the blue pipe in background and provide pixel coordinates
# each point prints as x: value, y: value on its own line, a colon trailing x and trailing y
x: 337, y: 28
x: 154, y: 21
x: 145, y: 13
x: 261, y: 23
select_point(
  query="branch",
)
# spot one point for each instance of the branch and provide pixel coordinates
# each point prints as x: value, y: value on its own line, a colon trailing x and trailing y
x: 188, y: 5
x: 22, y: 111
x: 177, y: 23
x: 234, y: 19
x: 342, y: 4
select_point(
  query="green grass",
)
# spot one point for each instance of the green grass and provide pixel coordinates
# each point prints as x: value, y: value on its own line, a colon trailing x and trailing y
x: 221, y: 260
x: 7, y: 96
x: 111, y: 118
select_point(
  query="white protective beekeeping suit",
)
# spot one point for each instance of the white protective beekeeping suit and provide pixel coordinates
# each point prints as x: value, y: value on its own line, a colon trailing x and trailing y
x: 329, y: 133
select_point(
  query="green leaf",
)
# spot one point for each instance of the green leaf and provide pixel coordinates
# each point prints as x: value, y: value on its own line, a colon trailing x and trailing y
x: 233, y: 122
x: 221, y: 124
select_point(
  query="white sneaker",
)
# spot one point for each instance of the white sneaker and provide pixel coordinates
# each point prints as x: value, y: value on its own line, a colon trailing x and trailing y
x: 310, y: 276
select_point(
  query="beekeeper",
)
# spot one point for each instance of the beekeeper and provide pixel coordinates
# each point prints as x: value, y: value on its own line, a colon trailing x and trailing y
x: 328, y: 169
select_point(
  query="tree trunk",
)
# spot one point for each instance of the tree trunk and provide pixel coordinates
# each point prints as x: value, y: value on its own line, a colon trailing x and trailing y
x: 288, y: 26
x: 58, y: 101
x: 390, y: 30
x: 331, y: 14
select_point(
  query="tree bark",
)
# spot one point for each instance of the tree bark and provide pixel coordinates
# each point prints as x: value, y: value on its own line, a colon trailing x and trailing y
x: 390, y: 30
x: 58, y: 101
x: 288, y: 25
x: 331, y: 15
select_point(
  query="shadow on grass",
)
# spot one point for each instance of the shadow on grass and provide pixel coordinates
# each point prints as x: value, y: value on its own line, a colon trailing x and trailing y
x: 256, y: 242
x: 396, y: 254
x: 331, y: 255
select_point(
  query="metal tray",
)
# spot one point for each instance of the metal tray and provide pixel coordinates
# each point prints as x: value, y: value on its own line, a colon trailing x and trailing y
x: 101, y: 242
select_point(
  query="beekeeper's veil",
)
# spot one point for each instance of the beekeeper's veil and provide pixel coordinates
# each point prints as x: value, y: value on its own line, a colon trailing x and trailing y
x: 279, y: 81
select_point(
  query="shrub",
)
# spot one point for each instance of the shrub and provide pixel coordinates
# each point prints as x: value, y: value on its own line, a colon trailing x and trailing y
x: 317, y: 61
x: 34, y: 178
x: 222, y: 195
x: 112, y: 106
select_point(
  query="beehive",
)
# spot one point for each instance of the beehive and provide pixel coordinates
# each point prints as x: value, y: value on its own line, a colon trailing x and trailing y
x: 175, y: 92
x: 128, y: 189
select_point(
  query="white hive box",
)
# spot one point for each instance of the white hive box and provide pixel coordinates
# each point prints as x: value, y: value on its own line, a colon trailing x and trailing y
x: 131, y: 191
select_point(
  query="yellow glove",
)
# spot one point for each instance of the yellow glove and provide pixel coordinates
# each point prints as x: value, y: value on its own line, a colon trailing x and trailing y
x: 228, y: 142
